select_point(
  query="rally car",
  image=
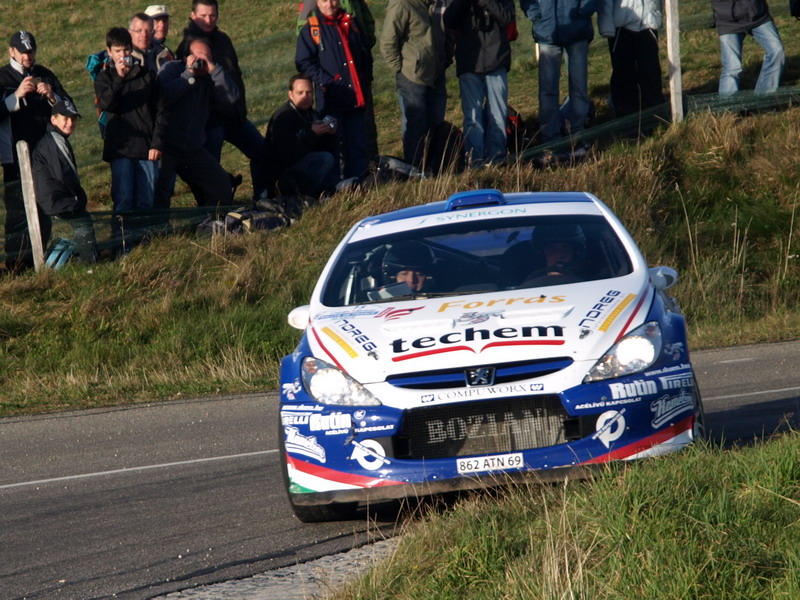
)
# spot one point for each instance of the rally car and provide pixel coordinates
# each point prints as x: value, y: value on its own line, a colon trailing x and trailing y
x: 459, y: 343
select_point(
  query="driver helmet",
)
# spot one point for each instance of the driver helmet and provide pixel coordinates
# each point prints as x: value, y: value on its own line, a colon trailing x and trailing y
x: 407, y: 256
x: 563, y: 233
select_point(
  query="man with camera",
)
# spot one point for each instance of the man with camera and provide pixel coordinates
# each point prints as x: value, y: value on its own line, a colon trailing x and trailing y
x: 28, y: 92
x: 300, y: 146
x: 128, y: 92
x: 190, y: 89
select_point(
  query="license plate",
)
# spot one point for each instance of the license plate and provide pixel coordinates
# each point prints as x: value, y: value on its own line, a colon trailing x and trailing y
x: 498, y: 462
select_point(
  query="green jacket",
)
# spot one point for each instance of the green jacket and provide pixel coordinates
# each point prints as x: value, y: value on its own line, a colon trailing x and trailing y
x: 413, y: 42
x: 357, y: 8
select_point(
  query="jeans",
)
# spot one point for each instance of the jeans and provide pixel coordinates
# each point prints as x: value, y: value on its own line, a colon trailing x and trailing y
x: 422, y: 108
x: 245, y: 137
x: 314, y: 173
x: 133, y: 183
x: 769, y: 78
x: 484, y: 102
x: 351, y: 139
x: 550, y: 58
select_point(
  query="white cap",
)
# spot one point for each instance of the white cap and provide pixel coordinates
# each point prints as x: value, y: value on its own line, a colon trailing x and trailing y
x: 156, y: 10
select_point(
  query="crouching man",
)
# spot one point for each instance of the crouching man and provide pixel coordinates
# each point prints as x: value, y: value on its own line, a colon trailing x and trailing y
x: 58, y: 187
x: 300, y: 147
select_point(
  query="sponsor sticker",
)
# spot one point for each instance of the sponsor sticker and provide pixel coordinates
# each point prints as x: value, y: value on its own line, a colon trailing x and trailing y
x: 300, y: 444
x: 496, y: 302
x: 390, y: 314
x: 290, y: 390
x: 468, y: 215
x: 454, y: 341
x: 668, y: 407
x: 482, y: 392
x: 340, y: 341
x: 610, y: 426
x: 497, y: 462
x: 616, y: 312
x: 474, y: 318
x: 369, y: 454
x: 359, y: 311
x: 633, y: 389
x: 332, y: 423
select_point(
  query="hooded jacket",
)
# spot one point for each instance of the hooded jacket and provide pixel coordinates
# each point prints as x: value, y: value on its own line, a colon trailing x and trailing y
x: 413, y: 41
x: 634, y: 15
x: 58, y: 187
x: 739, y: 16
x: 482, y: 44
x: 561, y: 22
x: 336, y: 60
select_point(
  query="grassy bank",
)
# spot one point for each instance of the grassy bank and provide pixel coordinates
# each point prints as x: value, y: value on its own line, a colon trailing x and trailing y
x: 699, y: 524
x: 714, y: 197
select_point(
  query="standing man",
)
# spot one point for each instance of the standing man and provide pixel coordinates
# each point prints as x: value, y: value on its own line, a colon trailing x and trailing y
x: 300, y: 147
x: 28, y: 92
x: 734, y: 20
x: 146, y: 50
x: 631, y: 28
x: 413, y: 45
x: 128, y: 92
x: 331, y: 51
x: 160, y: 16
x: 483, y: 58
x: 58, y: 188
x: 562, y: 26
x: 190, y: 90
x: 225, y: 125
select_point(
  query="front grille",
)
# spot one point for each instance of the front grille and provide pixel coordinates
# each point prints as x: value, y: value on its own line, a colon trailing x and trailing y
x: 504, y: 373
x: 472, y: 428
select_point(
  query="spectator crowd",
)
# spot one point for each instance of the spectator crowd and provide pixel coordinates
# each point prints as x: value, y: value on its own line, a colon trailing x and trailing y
x: 165, y: 114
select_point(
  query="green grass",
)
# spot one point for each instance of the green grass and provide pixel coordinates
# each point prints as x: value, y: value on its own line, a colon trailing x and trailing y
x: 714, y: 197
x: 703, y: 523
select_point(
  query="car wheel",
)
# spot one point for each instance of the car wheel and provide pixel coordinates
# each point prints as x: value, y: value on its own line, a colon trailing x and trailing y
x: 313, y: 513
x: 699, y: 429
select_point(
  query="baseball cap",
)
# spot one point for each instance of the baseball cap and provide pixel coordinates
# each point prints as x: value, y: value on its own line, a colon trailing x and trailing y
x: 66, y: 108
x: 23, y: 41
x: 156, y: 10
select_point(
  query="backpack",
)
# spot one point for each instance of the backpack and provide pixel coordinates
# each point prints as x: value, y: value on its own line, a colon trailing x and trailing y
x: 516, y: 132
x: 446, y: 152
x: 94, y: 64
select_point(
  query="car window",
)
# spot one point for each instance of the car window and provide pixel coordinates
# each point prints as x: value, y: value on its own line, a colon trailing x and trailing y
x: 477, y: 256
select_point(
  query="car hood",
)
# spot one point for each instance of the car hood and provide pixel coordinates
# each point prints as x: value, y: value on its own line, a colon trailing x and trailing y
x: 575, y: 321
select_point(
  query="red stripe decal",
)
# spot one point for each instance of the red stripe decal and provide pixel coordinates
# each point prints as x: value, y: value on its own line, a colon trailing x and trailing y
x: 430, y: 352
x: 646, y: 443
x: 338, y: 476
x: 633, y: 314
x: 525, y: 343
x: 325, y: 350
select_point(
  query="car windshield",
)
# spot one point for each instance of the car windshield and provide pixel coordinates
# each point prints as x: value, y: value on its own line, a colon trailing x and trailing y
x: 473, y: 257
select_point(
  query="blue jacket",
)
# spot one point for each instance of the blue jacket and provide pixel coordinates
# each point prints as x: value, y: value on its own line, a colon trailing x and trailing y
x: 326, y: 63
x: 561, y: 22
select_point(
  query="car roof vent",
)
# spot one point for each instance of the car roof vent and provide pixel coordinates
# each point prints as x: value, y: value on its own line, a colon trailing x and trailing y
x: 475, y: 198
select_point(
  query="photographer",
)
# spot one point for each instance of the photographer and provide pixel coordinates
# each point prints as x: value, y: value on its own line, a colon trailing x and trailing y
x: 300, y: 146
x: 28, y: 92
x: 189, y: 90
x: 132, y: 145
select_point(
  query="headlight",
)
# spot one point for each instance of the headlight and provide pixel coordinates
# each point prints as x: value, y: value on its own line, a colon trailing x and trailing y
x: 635, y: 352
x: 329, y: 385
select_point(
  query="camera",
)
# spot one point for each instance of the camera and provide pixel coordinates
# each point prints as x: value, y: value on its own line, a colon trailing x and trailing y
x: 330, y: 121
x: 128, y: 61
x: 199, y: 64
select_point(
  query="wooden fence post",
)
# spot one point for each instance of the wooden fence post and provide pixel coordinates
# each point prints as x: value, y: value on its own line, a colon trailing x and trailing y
x: 674, y: 60
x: 31, y: 210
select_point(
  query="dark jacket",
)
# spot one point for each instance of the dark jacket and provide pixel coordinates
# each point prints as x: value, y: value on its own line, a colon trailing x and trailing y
x: 132, y: 106
x: 30, y: 122
x: 289, y: 138
x: 339, y: 86
x: 561, y: 22
x: 739, y: 16
x: 482, y: 44
x: 58, y: 188
x: 223, y: 53
x: 187, y: 102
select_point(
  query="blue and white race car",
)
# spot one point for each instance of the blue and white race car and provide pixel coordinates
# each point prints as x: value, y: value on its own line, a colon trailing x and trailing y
x: 491, y: 334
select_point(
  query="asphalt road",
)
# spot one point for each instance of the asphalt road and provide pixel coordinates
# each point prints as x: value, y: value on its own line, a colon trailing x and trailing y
x: 139, y: 501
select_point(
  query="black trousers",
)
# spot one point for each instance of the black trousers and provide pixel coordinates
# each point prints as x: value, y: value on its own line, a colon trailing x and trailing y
x: 209, y: 182
x: 17, y: 242
x: 636, y: 71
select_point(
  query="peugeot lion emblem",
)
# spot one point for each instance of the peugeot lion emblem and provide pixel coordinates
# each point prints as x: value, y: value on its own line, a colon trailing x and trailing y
x: 480, y: 376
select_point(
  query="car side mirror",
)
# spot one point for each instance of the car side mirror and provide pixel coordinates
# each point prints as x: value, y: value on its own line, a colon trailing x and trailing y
x: 663, y: 278
x: 299, y: 317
